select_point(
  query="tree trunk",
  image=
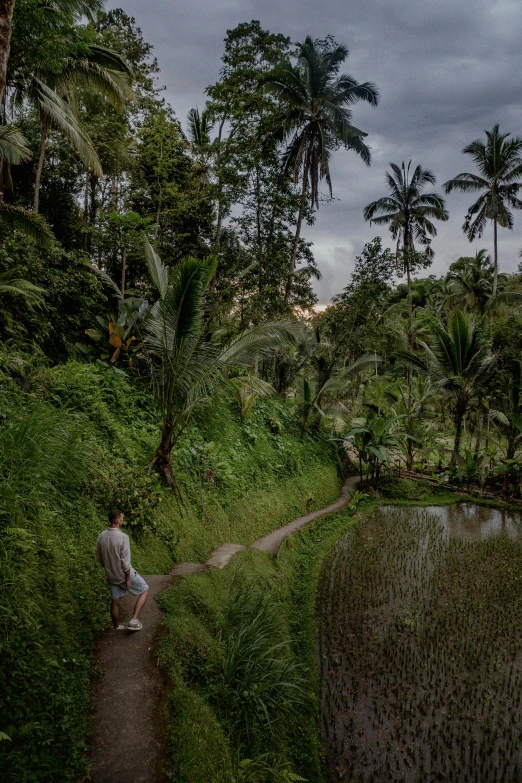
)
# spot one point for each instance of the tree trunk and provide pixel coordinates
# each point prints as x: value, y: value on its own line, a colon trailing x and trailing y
x: 158, y: 213
x: 495, y: 255
x: 163, y: 464
x: 114, y: 194
x: 300, y: 215
x: 87, y: 238
x: 93, y: 203
x: 258, y: 216
x: 484, y: 460
x: 39, y: 168
x: 410, y: 455
x: 459, y: 418
x: 123, y: 270
x: 510, y: 454
x: 86, y: 195
x: 6, y: 18
x: 479, y: 432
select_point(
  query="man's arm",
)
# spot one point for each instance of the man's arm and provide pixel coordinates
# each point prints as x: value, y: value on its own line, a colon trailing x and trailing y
x: 126, y: 560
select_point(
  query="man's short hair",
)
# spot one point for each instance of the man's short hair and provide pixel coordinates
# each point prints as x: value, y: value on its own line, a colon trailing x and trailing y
x: 114, y: 513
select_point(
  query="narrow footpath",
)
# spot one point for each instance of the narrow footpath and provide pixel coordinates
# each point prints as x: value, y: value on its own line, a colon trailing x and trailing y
x: 128, y: 742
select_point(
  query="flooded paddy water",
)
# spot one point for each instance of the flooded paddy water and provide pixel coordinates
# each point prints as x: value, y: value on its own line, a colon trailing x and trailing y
x: 420, y: 647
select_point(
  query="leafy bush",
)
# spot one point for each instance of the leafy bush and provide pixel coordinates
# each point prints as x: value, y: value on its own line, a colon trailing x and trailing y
x: 53, y: 596
x: 259, y: 684
x: 74, y: 440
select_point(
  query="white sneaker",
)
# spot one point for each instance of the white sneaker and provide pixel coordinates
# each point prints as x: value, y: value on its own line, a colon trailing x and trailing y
x: 134, y: 625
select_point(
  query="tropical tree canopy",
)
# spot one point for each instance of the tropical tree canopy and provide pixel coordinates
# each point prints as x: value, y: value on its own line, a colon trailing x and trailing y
x: 408, y: 211
x: 499, y: 162
x: 318, y: 119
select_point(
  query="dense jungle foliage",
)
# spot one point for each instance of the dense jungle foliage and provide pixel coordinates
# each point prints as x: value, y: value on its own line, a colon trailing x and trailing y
x: 161, y: 349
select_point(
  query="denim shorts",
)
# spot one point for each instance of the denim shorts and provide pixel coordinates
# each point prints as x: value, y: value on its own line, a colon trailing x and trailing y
x: 138, y: 586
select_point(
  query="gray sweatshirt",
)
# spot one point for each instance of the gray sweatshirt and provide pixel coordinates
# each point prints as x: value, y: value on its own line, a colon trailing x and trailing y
x: 113, y: 552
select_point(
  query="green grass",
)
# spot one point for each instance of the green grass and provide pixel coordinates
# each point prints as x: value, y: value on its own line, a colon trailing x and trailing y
x: 75, y: 441
x: 195, y: 648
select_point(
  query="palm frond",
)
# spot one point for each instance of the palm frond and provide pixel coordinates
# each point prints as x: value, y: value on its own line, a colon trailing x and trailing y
x: 158, y: 272
x: 57, y: 113
x: 14, y: 147
x: 28, y: 223
x: 9, y: 284
x: 107, y: 279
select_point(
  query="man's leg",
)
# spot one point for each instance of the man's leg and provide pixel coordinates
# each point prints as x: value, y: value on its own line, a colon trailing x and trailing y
x: 115, y: 612
x: 140, y: 603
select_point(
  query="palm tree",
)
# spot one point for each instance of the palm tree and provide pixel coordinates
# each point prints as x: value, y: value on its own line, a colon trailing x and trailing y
x: 471, y: 281
x: 14, y: 150
x: 328, y: 381
x: 374, y: 438
x: 53, y: 97
x: 458, y: 361
x: 509, y: 421
x: 199, y: 129
x: 317, y: 120
x: 408, y: 212
x: 75, y: 9
x: 188, y: 362
x: 500, y: 178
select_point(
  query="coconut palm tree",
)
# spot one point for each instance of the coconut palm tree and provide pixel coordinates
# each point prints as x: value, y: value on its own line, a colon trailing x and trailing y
x: 328, y: 381
x: 189, y: 363
x: 471, y: 281
x: 75, y: 9
x: 408, y: 212
x: 458, y: 361
x: 53, y: 96
x: 199, y: 129
x: 499, y: 162
x: 14, y: 150
x: 318, y: 120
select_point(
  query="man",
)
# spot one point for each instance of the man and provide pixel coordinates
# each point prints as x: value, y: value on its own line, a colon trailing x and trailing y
x: 113, y: 552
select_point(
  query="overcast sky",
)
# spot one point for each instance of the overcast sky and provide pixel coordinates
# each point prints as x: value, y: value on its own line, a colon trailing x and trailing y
x: 446, y: 71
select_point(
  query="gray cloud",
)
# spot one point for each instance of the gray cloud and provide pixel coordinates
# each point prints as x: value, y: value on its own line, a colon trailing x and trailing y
x: 446, y: 72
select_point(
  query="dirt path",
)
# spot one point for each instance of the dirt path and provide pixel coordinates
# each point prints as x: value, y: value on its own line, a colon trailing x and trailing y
x: 273, y: 541
x: 126, y: 743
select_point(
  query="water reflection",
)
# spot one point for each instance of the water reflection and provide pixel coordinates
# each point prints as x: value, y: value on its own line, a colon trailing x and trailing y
x: 470, y: 522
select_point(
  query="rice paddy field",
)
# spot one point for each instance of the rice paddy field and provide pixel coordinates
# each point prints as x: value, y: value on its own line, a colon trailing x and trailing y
x: 420, y: 647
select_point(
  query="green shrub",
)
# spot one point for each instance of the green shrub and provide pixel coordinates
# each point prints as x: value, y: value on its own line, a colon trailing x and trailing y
x: 75, y: 440
x: 259, y: 685
x: 199, y: 747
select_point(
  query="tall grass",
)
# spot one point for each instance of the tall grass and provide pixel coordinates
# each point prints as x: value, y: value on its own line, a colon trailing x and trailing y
x: 51, y: 597
x: 259, y: 685
x: 40, y: 462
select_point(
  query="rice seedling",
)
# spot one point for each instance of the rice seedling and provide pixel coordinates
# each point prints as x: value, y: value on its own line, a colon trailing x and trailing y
x: 419, y: 646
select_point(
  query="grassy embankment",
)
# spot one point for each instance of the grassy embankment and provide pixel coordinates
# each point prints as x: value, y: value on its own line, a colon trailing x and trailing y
x: 207, y: 643
x: 75, y: 440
